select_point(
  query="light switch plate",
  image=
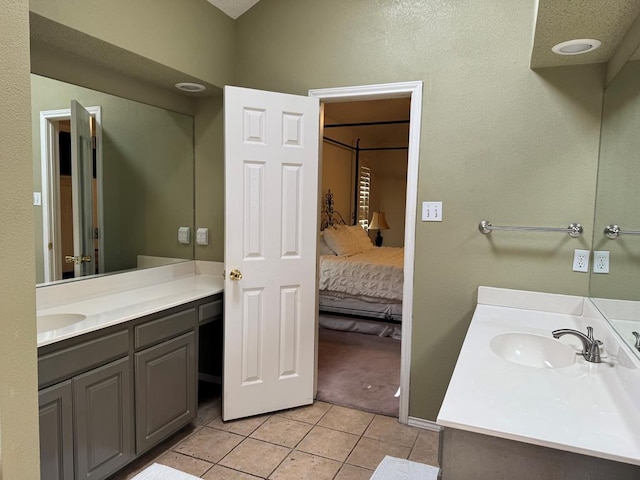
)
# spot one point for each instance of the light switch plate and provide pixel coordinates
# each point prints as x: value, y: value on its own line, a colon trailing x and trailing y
x: 202, y: 236
x: 37, y: 198
x: 431, y: 211
x: 183, y: 235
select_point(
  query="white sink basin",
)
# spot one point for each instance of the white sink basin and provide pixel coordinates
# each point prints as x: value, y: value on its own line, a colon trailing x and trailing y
x: 532, y: 350
x: 46, y: 323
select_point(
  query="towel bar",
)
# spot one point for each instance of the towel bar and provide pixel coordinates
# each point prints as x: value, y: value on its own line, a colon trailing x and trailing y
x: 614, y: 231
x: 574, y: 229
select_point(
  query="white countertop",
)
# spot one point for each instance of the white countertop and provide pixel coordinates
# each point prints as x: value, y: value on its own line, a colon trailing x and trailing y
x: 586, y: 408
x: 125, y: 297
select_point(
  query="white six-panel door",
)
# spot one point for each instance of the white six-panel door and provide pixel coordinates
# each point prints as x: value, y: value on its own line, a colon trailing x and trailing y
x: 271, y: 212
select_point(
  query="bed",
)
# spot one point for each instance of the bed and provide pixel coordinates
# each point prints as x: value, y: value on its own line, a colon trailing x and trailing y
x: 360, y: 286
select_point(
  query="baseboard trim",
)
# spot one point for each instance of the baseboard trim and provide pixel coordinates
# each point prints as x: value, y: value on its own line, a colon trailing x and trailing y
x: 424, y: 424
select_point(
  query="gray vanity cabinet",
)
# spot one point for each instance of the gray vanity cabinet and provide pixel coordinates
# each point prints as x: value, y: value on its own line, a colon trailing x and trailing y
x: 56, y: 432
x: 103, y: 413
x: 166, y: 397
x: 108, y: 396
x: 86, y: 406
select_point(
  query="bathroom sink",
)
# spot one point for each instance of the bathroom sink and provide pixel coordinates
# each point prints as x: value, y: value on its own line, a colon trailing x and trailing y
x: 46, y: 323
x: 532, y: 350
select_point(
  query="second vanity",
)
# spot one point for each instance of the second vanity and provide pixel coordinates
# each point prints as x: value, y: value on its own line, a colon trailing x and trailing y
x: 122, y: 375
x: 506, y: 415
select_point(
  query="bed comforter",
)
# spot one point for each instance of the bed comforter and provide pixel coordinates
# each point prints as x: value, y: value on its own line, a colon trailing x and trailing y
x: 375, y: 273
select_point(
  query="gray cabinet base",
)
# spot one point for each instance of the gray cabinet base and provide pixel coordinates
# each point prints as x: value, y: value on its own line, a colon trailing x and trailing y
x: 466, y: 455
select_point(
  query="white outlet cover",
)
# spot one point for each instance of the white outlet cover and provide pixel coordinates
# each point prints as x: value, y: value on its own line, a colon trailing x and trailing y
x: 202, y: 236
x: 581, y: 260
x: 183, y: 235
x: 601, y: 261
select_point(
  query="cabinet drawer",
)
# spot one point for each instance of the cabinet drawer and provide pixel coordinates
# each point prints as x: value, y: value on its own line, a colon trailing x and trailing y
x: 210, y: 311
x: 161, y: 329
x: 70, y: 361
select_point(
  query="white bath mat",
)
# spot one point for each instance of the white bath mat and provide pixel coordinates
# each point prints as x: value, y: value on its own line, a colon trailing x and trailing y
x: 392, y: 468
x: 162, y: 472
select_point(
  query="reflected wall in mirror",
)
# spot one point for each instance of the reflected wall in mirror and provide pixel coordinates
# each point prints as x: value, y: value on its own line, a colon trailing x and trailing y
x: 143, y: 182
x: 617, y: 294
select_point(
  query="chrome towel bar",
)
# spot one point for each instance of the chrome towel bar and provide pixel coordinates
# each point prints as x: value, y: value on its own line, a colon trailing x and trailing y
x: 614, y: 231
x: 574, y: 229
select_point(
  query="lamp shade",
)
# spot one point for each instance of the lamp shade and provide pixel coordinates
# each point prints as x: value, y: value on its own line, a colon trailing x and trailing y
x: 378, y: 221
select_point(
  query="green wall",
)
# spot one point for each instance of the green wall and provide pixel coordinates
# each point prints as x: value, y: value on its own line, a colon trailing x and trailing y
x: 19, y: 448
x: 190, y: 36
x: 618, y: 197
x: 142, y: 147
x: 499, y: 142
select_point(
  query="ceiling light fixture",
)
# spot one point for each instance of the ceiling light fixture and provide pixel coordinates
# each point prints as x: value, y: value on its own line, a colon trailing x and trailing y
x: 576, y: 47
x: 190, y: 87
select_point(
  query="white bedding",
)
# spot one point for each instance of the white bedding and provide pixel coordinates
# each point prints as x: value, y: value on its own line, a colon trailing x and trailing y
x: 374, y: 273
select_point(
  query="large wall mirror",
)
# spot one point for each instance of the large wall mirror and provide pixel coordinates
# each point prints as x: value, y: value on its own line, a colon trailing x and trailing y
x: 617, y: 293
x: 138, y: 189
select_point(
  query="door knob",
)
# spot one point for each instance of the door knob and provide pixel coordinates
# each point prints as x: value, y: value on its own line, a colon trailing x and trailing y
x: 235, y: 274
x: 77, y: 259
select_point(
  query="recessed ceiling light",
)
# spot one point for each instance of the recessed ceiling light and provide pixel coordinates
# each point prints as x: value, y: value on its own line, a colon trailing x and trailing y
x: 576, y: 47
x: 190, y: 87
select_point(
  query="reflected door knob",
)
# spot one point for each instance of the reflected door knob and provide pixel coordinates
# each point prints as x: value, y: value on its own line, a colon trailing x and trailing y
x: 235, y: 274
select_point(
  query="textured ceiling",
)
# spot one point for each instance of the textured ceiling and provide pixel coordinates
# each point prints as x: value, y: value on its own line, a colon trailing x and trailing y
x: 561, y: 20
x: 233, y: 8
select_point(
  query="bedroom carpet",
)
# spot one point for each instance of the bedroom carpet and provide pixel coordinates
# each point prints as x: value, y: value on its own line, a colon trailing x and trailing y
x: 358, y: 370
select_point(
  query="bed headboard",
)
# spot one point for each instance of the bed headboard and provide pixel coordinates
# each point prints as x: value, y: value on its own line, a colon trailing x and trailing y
x: 328, y: 216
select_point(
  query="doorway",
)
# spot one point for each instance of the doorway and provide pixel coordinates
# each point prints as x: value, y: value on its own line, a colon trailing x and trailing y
x: 58, y: 220
x: 413, y: 91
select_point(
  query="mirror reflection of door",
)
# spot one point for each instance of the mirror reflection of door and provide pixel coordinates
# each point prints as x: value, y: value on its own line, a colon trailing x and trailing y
x: 82, y: 191
x: 70, y: 192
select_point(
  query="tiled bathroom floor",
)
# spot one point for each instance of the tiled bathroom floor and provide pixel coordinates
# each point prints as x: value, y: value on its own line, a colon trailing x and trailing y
x: 320, y: 441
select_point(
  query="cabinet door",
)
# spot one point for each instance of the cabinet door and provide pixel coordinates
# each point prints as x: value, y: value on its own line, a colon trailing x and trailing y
x: 104, y: 420
x: 56, y: 432
x: 166, y: 385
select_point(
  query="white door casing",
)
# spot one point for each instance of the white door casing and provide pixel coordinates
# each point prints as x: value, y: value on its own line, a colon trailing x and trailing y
x: 378, y: 92
x: 271, y: 213
x: 49, y: 164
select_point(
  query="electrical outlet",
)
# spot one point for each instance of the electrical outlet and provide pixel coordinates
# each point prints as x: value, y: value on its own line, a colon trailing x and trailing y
x: 183, y: 235
x: 600, y: 261
x: 581, y: 260
x: 202, y: 236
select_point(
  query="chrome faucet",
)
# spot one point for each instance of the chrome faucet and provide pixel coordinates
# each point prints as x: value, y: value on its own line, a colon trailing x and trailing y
x: 590, y: 346
x: 637, y: 335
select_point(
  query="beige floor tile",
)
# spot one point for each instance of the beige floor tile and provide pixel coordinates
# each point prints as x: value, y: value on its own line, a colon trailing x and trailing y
x: 328, y: 443
x: 282, y: 431
x: 387, y: 429
x: 208, y: 411
x: 184, y: 463
x: 209, y: 444
x: 244, y: 426
x: 351, y: 472
x: 346, y: 420
x: 424, y: 456
x: 309, y: 414
x: 428, y: 440
x: 302, y: 466
x: 369, y: 453
x: 255, y: 457
x: 219, y: 472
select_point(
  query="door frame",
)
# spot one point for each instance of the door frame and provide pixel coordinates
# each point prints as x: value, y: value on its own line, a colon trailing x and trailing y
x: 50, y: 170
x: 380, y: 92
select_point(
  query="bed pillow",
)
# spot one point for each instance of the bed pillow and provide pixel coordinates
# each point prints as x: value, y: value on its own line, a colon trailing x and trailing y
x: 347, y: 240
x: 340, y: 240
x: 323, y: 247
x: 361, y: 237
